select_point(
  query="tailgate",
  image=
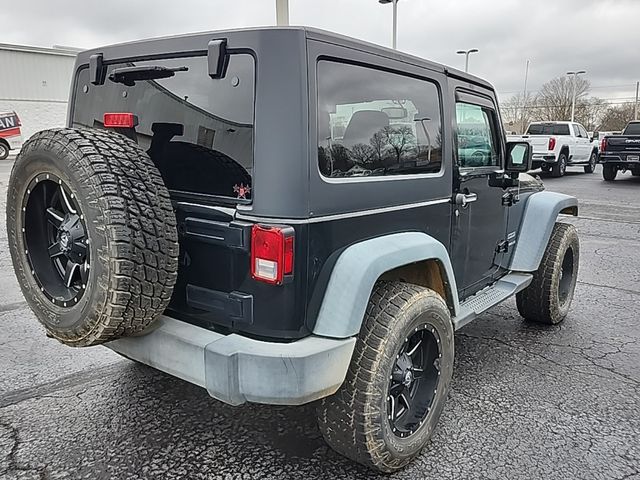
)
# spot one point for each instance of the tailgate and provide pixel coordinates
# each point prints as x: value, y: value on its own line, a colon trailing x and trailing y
x: 620, y: 143
x: 539, y: 143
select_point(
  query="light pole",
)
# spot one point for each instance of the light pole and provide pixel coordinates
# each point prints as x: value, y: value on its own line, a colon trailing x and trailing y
x: 466, y: 54
x: 282, y: 13
x: 573, y: 101
x: 394, y: 41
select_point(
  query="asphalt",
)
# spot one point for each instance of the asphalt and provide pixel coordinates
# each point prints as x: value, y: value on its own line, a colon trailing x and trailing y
x: 526, y: 402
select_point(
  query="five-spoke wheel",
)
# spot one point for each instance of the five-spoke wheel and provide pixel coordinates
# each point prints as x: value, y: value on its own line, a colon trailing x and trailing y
x: 414, y: 381
x: 56, y: 240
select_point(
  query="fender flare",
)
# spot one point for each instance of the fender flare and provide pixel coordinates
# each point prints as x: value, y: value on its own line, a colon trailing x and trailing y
x: 361, y: 265
x: 538, y: 219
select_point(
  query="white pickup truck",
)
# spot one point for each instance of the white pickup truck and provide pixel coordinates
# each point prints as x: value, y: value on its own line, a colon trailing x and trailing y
x: 557, y: 145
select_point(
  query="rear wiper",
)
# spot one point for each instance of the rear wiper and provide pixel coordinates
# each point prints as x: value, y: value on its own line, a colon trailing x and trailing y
x: 130, y: 75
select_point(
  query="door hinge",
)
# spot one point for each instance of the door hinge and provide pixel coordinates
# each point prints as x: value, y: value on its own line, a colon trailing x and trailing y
x: 510, y: 198
x: 502, y: 247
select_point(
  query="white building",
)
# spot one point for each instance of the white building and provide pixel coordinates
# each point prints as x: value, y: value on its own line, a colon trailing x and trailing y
x: 35, y: 83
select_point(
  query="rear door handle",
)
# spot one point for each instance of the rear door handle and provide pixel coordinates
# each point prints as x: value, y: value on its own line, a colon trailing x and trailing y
x: 463, y: 199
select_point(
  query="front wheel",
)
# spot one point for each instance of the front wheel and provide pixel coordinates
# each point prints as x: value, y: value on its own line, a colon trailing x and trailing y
x: 548, y: 298
x: 4, y: 151
x: 609, y: 172
x: 390, y: 402
x: 591, y: 166
x: 560, y: 168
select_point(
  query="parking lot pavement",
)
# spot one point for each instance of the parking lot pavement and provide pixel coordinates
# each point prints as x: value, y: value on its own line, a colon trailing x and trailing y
x: 526, y: 401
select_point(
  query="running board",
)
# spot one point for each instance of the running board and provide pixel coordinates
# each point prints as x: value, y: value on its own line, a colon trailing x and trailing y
x: 490, y: 296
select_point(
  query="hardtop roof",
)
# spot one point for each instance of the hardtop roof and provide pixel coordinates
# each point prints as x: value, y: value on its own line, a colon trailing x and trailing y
x: 311, y: 34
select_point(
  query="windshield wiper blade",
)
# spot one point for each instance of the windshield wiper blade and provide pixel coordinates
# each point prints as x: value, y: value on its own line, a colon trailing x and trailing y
x: 130, y: 75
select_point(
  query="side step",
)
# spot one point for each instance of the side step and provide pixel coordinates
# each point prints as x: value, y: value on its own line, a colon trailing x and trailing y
x: 504, y: 288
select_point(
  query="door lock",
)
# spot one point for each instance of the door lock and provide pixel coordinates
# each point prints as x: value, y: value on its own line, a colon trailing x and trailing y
x: 463, y: 199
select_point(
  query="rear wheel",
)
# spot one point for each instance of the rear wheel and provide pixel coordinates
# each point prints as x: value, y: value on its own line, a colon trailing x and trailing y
x: 397, y: 383
x: 4, y: 151
x: 548, y: 298
x: 609, y: 172
x: 560, y: 168
x: 593, y: 160
x: 92, y: 235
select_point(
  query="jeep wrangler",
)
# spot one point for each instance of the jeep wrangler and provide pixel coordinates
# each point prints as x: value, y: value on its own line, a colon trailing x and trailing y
x: 284, y: 216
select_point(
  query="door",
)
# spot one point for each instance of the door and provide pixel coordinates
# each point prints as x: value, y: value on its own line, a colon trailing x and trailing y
x: 479, y: 218
x: 583, y: 146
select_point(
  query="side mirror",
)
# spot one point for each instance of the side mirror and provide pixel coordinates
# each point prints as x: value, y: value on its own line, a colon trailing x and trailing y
x: 519, y: 157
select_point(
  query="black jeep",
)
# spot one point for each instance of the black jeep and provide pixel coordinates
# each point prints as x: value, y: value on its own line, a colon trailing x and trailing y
x: 285, y: 216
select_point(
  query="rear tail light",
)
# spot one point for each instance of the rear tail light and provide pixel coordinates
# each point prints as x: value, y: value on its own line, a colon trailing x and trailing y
x: 552, y: 143
x: 271, y: 253
x: 120, y: 120
x: 603, y: 144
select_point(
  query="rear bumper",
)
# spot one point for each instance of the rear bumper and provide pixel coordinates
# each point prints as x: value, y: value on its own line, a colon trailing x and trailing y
x: 621, y: 159
x: 237, y: 369
x: 540, y: 159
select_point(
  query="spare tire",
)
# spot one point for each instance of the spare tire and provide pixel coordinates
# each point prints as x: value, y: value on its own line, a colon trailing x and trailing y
x: 92, y: 235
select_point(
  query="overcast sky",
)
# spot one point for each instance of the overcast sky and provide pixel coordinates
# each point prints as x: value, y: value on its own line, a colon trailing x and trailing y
x: 600, y: 36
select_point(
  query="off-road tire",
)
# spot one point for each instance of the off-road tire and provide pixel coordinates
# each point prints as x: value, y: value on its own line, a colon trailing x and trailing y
x: 130, y: 225
x: 560, y: 167
x: 354, y: 420
x: 541, y: 301
x: 609, y: 172
x: 593, y: 161
x: 4, y: 151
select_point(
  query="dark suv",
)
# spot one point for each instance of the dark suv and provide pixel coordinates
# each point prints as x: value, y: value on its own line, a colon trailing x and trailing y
x: 285, y: 216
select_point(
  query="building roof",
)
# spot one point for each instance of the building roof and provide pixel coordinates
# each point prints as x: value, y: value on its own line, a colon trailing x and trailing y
x: 55, y: 50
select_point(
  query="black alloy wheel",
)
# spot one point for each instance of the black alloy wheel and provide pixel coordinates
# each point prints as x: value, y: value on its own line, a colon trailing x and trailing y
x: 4, y: 151
x: 56, y: 240
x: 414, y: 381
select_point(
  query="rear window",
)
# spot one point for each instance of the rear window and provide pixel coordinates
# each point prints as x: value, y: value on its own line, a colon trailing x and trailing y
x: 632, y: 129
x: 548, y: 129
x: 197, y: 130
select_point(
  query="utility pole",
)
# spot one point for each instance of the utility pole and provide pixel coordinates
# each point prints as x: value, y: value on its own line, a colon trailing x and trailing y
x: 282, y: 13
x: 524, y: 98
x: 635, y: 109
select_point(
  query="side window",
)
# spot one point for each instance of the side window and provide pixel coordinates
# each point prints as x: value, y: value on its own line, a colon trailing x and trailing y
x: 576, y: 130
x: 583, y: 132
x: 477, y: 138
x: 375, y: 123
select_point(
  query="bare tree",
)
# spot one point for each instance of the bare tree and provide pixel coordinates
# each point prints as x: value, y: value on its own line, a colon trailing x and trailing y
x: 378, y: 143
x: 518, y: 111
x: 362, y: 154
x: 398, y: 139
x: 590, y: 112
x: 554, y: 99
x: 617, y: 117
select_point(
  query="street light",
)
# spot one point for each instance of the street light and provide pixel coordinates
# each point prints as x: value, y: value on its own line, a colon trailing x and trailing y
x: 575, y: 80
x: 466, y: 56
x: 282, y: 13
x: 395, y: 20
